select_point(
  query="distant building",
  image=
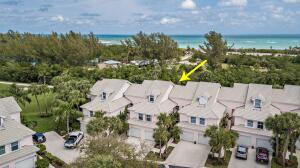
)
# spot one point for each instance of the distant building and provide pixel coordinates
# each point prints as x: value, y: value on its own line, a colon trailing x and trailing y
x: 109, y: 64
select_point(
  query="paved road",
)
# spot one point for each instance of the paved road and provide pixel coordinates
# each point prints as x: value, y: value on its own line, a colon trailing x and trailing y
x: 55, y: 145
x: 250, y: 162
x: 188, y: 154
x: 20, y: 84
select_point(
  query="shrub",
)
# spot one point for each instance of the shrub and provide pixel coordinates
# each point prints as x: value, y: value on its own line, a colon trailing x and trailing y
x: 42, y: 163
x: 55, y: 161
x: 42, y: 150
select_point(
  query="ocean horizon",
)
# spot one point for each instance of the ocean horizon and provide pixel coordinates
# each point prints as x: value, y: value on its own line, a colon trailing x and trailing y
x: 263, y: 41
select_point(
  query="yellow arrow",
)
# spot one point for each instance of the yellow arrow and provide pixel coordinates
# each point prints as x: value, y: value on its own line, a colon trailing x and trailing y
x: 185, y: 76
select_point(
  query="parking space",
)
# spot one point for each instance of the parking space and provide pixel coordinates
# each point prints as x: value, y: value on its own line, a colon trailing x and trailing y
x: 188, y: 154
x: 250, y: 162
x: 55, y: 145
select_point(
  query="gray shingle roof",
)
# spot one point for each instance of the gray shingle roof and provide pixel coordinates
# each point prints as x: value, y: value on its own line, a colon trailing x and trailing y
x: 110, y: 86
x: 237, y: 93
x: 9, y: 106
x: 22, y: 152
x: 107, y: 106
x: 13, y: 131
x: 153, y: 108
x: 290, y: 94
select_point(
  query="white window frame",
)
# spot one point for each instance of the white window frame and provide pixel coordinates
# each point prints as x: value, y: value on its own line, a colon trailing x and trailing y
x: 142, y: 115
x: 11, y: 146
x: 203, y: 119
x: 103, y: 97
x: 248, y: 124
x: 150, y: 117
x: 151, y: 97
x: 3, y: 146
x: 262, y: 123
x: 259, y: 105
x: 192, y: 120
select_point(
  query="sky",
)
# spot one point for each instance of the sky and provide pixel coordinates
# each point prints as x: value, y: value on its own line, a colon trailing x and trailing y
x: 167, y: 16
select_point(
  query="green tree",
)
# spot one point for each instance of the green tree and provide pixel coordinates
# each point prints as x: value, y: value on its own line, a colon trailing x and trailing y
x: 273, y: 123
x: 36, y: 90
x: 105, y: 161
x: 161, y: 135
x: 215, y: 48
x: 220, y: 138
x: 175, y: 133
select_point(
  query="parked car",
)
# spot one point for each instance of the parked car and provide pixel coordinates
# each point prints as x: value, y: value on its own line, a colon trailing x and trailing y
x: 241, y: 152
x: 74, y: 139
x: 262, y: 155
x: 39, y: 137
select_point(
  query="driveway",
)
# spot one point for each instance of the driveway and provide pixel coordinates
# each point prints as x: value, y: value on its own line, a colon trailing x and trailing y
x: 55, y: 145
x: 187, y: 154
x: 250, y: 162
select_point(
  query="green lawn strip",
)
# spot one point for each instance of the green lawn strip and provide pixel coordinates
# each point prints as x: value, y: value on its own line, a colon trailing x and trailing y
x: 215, y: 163
x: 4, y: 90
x: 155, y: 156
x: 292, y: 163
x: 31, y: 113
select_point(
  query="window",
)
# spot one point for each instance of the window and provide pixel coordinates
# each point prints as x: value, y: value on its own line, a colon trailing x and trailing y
x: 1, y: 121
x: 103, y: 97
x: 2, y: 150
x: 260, y: 125
x: 202, y: 121
x: 249, y: 123
x: 151, y: 98
x: 202, y: 100
x: 141, y: 117
x: 91, y: 113
x: 257, y: 103
x: 193, y: 120
x: 14, y: 146
x: 148, y: 118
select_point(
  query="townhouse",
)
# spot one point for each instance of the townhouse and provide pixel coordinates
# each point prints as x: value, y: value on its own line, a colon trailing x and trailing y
x: 149, y: 99
x: 198, y: 109
x: 105, y: 96
x: 16, y: 145
x: 199, y: 104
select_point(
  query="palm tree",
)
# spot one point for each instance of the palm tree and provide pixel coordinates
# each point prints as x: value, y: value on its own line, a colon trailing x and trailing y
x: 272, y: 123
x: 44, y: 90
x: 64, y: 111
x: 175, y: 133
x: 290, y: 123
x: 36, y: 90
x: 76, y: 97
x: 165, y: 121
x: 220, y: 138
x: 161, y: 136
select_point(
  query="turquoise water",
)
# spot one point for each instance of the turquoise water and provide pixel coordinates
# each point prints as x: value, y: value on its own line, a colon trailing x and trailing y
x: 238, y: 41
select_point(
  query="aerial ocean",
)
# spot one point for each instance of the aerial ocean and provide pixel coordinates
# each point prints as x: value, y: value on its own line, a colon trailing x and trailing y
x: 238, y: 41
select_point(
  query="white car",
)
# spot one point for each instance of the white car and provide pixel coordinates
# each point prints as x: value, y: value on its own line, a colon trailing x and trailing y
x: 74, y: 139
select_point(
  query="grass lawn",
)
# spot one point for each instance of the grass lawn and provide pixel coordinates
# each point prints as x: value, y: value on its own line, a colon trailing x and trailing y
x: 215, y: 163
x: 155, y: 156
x: 30, y: 111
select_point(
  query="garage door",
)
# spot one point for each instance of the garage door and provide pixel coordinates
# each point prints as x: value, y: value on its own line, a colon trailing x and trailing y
x: 134, y: 132
x: 187, y: 136
x: 263, y: 143
x: 244, y: 140
x: 203, y: 140
x: 149, y: 135
x: 27, y: 163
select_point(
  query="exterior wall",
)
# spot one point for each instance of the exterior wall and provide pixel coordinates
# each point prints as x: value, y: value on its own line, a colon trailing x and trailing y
x: 142, y: 130
x: 134, y: 115
x: 13, y: 163
x: 241, y: 121
x: 208, y: 121
x: 253, y: 137
x: 16, y: 117
x: 26, y: 141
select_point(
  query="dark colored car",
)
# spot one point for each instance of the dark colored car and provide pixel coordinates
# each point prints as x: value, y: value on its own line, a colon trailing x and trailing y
x: 39, y: 137
x: 262, y: 155
x: 241, y: 152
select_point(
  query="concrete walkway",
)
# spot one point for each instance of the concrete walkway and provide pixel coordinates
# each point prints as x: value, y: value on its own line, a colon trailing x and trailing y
x: 298, y: 157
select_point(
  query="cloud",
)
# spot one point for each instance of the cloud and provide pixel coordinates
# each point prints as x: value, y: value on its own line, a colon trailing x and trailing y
x: 45, y: 8
x: 11, y: 2
x: 240, y: 3
x: 166, y: 20
x: 188, y: 4
x: 291, y: 1
x: 58, y: 18
x: 86, y: 14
